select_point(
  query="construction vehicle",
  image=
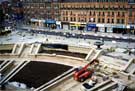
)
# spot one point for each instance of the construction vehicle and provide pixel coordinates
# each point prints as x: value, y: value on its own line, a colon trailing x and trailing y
x: 82, y: 74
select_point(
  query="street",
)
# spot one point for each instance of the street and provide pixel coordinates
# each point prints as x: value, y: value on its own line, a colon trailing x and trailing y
x: 20, y: 36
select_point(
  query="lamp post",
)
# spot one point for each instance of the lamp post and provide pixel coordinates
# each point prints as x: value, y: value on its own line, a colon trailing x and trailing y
x: 128, y: 46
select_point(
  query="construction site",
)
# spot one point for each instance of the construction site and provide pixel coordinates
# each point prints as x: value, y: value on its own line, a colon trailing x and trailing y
x: 67, y: 45
x: 61, y: 67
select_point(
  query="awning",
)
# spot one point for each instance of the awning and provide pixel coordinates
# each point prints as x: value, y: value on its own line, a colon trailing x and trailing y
x: 119, y: 26
x: 36, y: 20
x: 50, y: 21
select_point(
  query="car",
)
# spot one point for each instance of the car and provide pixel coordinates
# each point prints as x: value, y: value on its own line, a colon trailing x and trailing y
x: 88, y: 85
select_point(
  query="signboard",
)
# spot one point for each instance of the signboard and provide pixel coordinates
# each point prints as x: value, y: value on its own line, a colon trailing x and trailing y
x: 91, y: 27
x: 131, y: 1
x: 50, y: 21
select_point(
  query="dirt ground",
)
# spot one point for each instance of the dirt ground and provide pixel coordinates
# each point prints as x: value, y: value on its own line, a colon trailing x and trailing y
x: 36, y: 74
x: 66, y: 53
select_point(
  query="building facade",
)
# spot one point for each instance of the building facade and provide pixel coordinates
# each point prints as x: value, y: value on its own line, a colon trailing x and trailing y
x: 37, y: 11
x: 97, y: 15
x: 17, y: 10
x: 100, y: 15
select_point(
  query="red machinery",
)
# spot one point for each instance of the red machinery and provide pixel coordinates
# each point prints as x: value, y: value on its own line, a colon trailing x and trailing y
x: 85, y: 72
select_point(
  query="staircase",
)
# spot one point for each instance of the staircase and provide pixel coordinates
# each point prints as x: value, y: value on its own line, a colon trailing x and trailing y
x: 11, y: 69
x: 93, y: 54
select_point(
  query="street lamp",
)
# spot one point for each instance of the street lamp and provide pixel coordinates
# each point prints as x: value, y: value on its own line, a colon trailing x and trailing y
x: 128, y: 47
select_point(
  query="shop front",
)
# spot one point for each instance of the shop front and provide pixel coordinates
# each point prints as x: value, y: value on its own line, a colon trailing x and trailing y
x: 109, y: 28
x: 77, y: 26
x: 36, y: 22
x: 132, y: 29
x: 65, y: 25
x: 50, y: 23
x: 120, y: 29
x: 58, y: 24
x: 101, y: 27
x: 91, y: 27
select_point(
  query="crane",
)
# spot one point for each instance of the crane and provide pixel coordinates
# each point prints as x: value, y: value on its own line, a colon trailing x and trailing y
x: 82, y: 74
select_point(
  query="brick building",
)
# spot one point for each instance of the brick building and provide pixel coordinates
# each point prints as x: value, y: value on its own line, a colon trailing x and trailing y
x: 101, y: 15
x: 40, y: 10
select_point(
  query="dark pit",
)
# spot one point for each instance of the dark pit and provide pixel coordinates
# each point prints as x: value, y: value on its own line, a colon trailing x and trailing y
x: 1, y: 61
x: 36, y: 74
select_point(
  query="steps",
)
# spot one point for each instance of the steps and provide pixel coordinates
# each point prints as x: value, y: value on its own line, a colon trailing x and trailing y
x: 17, y: 49
x: 93, y: 54
x: 6, y: 64
x: 107, y: 85
x: 12, y: 70
x: 34, y: 49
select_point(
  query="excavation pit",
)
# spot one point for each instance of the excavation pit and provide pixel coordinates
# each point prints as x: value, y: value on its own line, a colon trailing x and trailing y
x: 35, y: 74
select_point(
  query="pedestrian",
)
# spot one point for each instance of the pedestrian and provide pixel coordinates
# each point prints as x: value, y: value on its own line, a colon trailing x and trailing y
x: 130, y: 52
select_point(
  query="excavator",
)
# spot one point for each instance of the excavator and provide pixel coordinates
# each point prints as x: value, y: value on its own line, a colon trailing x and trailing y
x: 81, y: 74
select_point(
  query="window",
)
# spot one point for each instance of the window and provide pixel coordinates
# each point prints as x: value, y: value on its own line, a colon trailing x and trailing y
x: 78, y: 19
x: 98, y: 20
x: 90, y: 13
x: 99, y: 13
x: 112, y: 13
x: 85, y: 20
x: 93, y: 19
x: 74, y: 19
x: 66, y: 18
x: 118, y: 13
x: 112, y: 20
x: 71, y: 13
x: 130, y: 13
x: 94, y: 13
x: 122, y: 21
x: 103, y: 13
x: 103, y: 20
x: 118, y: 21
x: 108, y: 13
x: 108, y: 20
x: 66, y: 12
x: 63, y: 18
x: 123, y: 13
x: 71, y: 19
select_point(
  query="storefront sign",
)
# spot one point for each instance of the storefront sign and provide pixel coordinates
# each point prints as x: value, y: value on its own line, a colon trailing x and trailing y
x: 50, y: 21
x: 91, y: 27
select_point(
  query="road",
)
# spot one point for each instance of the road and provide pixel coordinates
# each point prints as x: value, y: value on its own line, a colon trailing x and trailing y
x: 20, y: 36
